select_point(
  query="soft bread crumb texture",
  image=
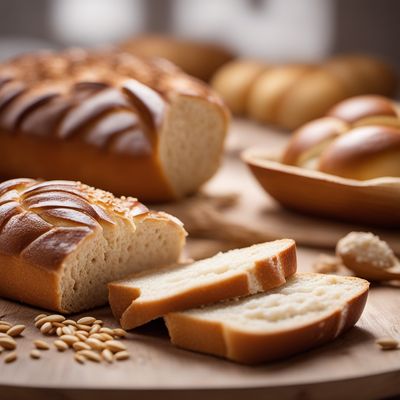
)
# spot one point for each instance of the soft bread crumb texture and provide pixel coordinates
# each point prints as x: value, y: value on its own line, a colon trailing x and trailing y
x: 191, y: 143
x: 303, y: 300
x: 365, y: 247
x: 64, y: 241
x: 161, y: 283
x: 112, y: 254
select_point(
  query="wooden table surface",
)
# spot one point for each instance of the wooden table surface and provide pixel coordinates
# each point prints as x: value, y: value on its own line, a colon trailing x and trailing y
x: 351, y: 367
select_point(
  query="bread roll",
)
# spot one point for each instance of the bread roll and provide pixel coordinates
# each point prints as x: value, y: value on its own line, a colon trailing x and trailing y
x: 234, y: 81
x: 290, y: 95
x: 359, y: 139
x: 61, y: 242
x: 145, y: 296
x: 306, y: 312
x: 200, y: 59
x: 112, y: 120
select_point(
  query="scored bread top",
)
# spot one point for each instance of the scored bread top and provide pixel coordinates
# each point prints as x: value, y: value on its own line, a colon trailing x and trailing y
x: 111, y: 100
x: 43, y: 222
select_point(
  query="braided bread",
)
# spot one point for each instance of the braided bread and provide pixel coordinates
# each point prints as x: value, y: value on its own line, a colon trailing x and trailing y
x: 61, y: 242
x: 109, y: 119
x: 358, y: 139
x: 290, y: 95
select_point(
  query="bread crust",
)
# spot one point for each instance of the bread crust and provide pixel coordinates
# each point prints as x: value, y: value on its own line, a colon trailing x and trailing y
x: 358, y: 139
x: 42, y: 224
x: 98, y: 116
x: 247, y: 347
x: 131, y: 311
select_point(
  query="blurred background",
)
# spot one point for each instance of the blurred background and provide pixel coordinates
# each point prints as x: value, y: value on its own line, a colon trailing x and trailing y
x: 276, y: 30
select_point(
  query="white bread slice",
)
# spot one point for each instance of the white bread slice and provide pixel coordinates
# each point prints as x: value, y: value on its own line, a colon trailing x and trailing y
x: 309, y: 310
x: 145, y: 296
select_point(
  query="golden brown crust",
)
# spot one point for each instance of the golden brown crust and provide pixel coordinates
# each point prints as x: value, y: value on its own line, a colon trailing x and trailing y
x: 270, y: 273
x: 44, y: 222
x: 105, y: 108
x: 246, y: 347
x: 359, y: 139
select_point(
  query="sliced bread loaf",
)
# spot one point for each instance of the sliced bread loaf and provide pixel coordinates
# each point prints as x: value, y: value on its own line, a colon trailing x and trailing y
x: 61, y: 242
x: 148, y: 295
x: 309, y: 310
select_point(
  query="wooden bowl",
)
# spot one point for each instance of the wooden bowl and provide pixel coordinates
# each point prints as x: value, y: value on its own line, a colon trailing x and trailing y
x: 371, y: 202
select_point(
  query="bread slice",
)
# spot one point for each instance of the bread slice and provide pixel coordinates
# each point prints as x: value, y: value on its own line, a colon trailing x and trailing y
x: 145, y: 296
x: 311, y: 309
x: 61, y: 242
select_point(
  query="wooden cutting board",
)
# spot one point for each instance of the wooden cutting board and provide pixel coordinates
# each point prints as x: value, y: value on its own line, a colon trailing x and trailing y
x: 351, y: 367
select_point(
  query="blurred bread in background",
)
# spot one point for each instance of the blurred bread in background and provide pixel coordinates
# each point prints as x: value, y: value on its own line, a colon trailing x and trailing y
x: 290, y: 95
x: 199, y: 59
x: 359, y: 138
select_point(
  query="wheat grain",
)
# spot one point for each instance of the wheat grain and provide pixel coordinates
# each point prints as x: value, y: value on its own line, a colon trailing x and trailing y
x: 35, y: 354
x: 121, y: 355
x: 41, y: 344
x: 86, y: 321
x: 60, y: 345
x: 16, y: 330
x: 8, y: 343
x: 10, y: 357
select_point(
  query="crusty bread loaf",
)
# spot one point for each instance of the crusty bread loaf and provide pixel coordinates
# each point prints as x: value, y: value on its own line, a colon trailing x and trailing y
x: 359, y: 139
x: 145, y: 296
x: 291, y: 95
x: 309, y: 310
x: 111, y: 120
x: 200, y: 59
x: 61, y: 242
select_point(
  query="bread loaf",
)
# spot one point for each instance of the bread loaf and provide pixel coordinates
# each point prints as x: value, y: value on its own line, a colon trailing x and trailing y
x: 200, y: 59
x: 358, y: 139
x: 61, y: 242
x: 308, y: 311
x: 290, y: 95
x: 145, y: 296
x: 111, y: 120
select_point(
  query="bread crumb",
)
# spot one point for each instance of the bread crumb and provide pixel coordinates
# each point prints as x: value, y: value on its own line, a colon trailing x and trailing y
x: 368, y: 248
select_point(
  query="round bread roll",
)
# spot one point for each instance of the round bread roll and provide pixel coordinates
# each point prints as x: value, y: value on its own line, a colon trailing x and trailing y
x: 199, y: 59
x: 290, y: 95
x: 358, y: 139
